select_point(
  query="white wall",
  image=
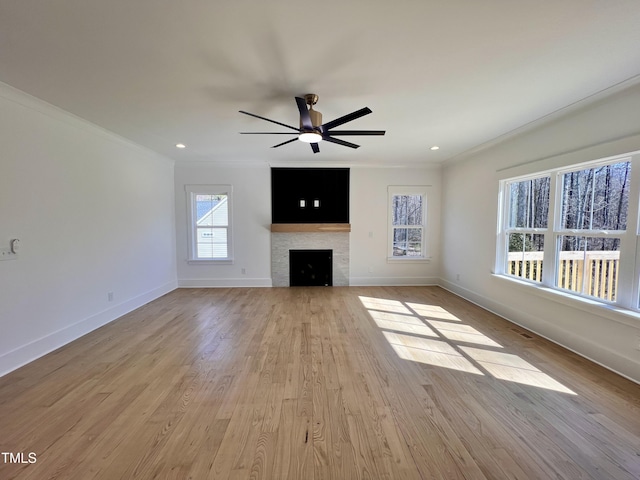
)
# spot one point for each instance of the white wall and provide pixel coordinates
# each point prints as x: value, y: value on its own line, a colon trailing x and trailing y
x: 94, y: 214
x: 252, y: 220
x: 369, y: 227
x: 251, y: 217
x: 602, y: 128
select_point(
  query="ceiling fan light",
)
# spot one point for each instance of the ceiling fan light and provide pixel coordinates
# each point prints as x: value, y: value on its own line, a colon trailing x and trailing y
x: 310, y: 137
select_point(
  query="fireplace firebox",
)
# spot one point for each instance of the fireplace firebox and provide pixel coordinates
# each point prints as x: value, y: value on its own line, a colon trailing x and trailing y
x: 308, y: 268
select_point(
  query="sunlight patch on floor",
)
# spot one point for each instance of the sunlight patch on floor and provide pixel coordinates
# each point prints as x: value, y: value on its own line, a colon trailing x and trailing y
x: 460, y: 332
x: 506, y: 366
x: 401, y: 323
x: 405, y: 331
x: 385, y: 305
x: 430, y: 352
x: 432, y: 311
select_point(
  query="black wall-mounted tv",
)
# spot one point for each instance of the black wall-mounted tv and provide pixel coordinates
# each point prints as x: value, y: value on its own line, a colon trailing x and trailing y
x: 309, y: 195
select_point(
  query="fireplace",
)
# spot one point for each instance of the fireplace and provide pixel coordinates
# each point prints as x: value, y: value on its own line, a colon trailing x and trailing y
x: 310, y: 212
x: 310, y: 268
x: 283, y: 242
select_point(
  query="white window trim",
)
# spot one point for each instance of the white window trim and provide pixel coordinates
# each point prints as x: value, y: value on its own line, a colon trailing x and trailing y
x: 504, y: 230
x: 393, y: 190
x: 590, y: 305
x: 191, y: 191
x: 628, y: 298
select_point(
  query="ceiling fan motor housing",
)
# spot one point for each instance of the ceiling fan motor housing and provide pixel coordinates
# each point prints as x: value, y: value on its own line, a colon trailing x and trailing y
x: 316, y: 118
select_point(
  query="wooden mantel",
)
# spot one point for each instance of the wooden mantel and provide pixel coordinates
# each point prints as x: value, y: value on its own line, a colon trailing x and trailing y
x: 310, y: 227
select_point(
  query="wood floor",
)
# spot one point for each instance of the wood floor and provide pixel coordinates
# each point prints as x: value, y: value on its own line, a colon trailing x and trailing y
x: 316, y: 383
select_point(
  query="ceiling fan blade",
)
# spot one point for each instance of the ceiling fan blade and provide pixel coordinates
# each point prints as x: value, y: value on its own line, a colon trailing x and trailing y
x: 305, y: 118
x: 269, y: 133
x: 347, y: 118
x: 268, y: 120
x: 356, y: 132
x: 339, y: 142
x: 315, y: 147
x: 284, y: 143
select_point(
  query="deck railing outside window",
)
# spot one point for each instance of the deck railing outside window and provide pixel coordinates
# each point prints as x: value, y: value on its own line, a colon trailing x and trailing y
x: 593, y: 273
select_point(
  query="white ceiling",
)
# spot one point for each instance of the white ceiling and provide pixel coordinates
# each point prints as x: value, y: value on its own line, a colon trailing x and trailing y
x: 454, y: 73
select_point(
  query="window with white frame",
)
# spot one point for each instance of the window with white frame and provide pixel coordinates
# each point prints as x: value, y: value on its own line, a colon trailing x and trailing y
x: 209, y: 218
x: 528, y: 216
x: 571, y: 229
x: 407, y: 222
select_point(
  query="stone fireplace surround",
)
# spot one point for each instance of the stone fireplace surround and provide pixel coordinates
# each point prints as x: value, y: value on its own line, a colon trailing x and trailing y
x: 285, y: 237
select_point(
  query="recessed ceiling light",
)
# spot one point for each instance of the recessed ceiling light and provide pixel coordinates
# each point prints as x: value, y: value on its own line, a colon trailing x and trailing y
x: 180, y: 145
x: 435, y: 147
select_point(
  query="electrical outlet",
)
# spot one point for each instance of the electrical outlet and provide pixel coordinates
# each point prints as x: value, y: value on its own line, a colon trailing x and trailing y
x: 457, y: 277
x: 7, y: 254
x: 243, y: 271
x: 110, y: 296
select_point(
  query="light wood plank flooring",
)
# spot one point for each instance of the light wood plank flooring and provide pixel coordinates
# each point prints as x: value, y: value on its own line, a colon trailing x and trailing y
x: 317, y: 383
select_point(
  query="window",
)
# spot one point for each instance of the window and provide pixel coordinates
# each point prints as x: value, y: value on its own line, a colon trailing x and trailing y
x: 593, y: 220
x: 209, y: 223
x: 569, y: 229
x: 407, y: 220
x: 528, y: 219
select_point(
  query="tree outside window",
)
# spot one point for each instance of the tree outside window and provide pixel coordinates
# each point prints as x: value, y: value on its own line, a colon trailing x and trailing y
x: 528, y: 216
x: 572, y: 221
x: 407, y: 222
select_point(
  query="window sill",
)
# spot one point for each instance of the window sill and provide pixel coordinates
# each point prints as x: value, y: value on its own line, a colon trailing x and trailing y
x: 624, y: 316
x: 226, y: 261
x: 408, y: 259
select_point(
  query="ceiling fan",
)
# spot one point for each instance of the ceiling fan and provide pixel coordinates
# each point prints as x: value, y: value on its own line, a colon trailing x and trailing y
x: 312, y: 130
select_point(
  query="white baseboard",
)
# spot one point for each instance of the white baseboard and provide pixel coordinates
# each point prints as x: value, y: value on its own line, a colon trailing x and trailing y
x: 620, y: 364
x: 223, y: 282
x: 33, y: 350
x: 266, y: 282
x: 393, y: 281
